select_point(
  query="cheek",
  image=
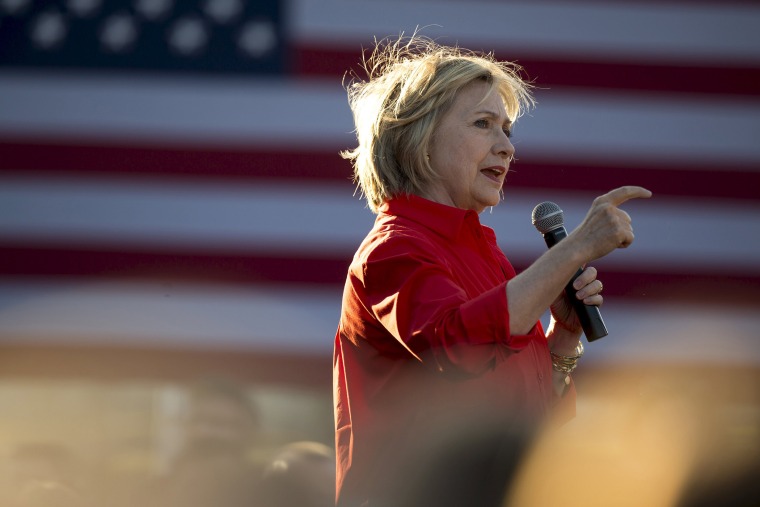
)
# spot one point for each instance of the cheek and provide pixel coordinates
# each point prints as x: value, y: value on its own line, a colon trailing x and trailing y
x: 463, y: 155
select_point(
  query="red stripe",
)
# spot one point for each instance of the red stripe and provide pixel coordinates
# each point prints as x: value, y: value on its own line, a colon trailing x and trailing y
x: 547, y: 71
x: 195, y: 160
x: 87, y: 159
x: 657, y: 283
x: 692, y: 181
x: 278, y: 267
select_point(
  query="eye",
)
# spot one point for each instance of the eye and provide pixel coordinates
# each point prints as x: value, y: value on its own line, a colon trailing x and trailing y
x: 482, y: 123
x: 507, y: 130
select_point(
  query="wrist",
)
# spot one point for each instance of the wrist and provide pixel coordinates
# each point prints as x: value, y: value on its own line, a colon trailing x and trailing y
x: 571, y: 248
x: 566, y: 364
x: 558, y: 325
x: 562, y: 339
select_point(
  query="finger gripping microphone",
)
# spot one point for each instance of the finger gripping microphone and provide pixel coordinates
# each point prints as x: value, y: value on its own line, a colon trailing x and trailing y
x: 548, y: 219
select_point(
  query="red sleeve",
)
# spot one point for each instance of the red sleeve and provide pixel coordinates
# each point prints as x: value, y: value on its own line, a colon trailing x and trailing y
x: 410, y: 291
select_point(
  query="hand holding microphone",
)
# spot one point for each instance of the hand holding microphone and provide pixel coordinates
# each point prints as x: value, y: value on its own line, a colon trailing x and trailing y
x: 605, y: 228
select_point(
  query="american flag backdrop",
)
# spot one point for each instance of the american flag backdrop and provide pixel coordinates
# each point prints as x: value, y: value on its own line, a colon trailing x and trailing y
x: 170, y: 178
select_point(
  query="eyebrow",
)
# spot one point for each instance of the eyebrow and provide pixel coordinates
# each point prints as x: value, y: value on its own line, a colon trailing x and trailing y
x: 492, y: 114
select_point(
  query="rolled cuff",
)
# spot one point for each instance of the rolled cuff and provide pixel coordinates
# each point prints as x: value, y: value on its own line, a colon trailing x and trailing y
x: 486, y: 318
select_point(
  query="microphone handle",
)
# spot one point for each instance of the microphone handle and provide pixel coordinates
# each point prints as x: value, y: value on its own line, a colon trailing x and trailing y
x: 588, y: 315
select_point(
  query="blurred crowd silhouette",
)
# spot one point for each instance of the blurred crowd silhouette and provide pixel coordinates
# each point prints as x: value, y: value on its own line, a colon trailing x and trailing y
x: 640, y: 439
x: 221, y: 460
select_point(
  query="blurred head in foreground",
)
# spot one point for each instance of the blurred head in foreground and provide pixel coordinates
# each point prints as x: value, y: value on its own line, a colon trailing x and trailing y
x: 655, y: 437
x: 301, y: 474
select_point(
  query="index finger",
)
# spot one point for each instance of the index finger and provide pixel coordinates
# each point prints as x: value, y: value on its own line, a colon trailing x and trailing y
x: 619, y: 195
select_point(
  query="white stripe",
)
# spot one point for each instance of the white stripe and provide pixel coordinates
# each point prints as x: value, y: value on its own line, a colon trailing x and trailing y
x: 676, y: 333
x: 327, y: 219
x: 316, y: 115
x: 700, y: 34
x: 669, y: 233
x: 647, y: 127
x: 305, y: 319
x: 159, y: 314
x: 243, y: 217
x: 230, y: 111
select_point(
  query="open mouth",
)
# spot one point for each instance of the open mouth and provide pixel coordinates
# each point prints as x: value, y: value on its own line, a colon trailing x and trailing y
x: 494, y: 173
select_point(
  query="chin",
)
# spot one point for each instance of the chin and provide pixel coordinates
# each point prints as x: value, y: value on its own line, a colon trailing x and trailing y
x: 483, y: 205
x: 492, y: 200
x: 485, y: 198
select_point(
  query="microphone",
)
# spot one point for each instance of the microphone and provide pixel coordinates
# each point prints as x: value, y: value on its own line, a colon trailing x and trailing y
x: 547, y: 217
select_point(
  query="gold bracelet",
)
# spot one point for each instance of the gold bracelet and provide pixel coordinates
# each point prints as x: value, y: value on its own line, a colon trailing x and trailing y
x: 566, y: 364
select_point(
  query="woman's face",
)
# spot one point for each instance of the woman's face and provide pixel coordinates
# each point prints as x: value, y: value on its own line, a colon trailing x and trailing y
x: 471, y: 151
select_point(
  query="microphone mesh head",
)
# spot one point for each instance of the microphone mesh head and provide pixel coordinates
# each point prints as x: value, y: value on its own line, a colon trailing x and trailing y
x: 547, y: 216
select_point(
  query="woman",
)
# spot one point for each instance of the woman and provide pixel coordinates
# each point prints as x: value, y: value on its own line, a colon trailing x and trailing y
x: 439, y: 338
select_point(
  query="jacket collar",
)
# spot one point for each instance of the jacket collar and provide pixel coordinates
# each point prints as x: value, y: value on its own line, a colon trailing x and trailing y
x: 447, y: 221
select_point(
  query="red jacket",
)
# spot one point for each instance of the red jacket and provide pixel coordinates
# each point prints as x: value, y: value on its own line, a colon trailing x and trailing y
x: 423, y: 351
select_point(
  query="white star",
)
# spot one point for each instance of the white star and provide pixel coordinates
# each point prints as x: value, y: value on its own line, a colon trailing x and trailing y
x: 83, y: 8
x: 13, y: 7
x: 49, y: 30
x: 188, y: 36
x: 257, y: 38
x: 153, y: 9
x: 222, y: 11
x: 118, y: 32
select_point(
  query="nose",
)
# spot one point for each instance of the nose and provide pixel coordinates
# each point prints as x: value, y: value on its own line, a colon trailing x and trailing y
x: 504, y: 148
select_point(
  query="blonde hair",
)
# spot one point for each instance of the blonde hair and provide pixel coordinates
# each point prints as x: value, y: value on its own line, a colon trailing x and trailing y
x: 411, y: 82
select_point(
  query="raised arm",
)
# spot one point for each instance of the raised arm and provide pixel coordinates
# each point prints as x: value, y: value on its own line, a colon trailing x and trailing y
x: 605, y: 228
